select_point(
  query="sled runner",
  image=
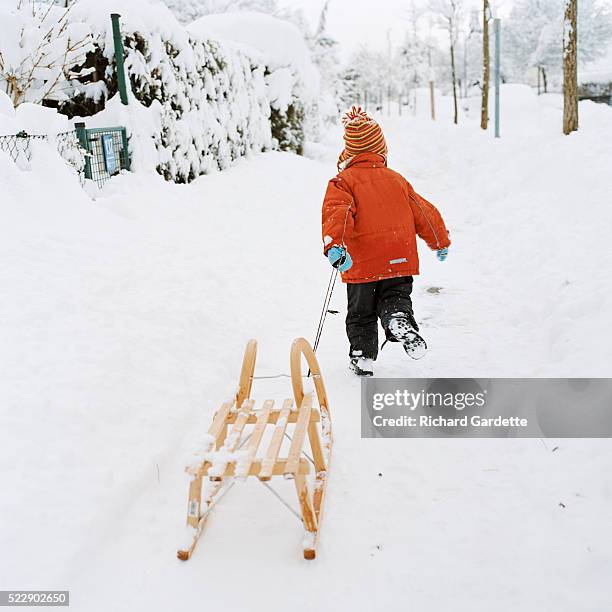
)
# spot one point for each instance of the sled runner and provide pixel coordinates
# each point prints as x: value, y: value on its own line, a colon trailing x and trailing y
x: 233, y: 452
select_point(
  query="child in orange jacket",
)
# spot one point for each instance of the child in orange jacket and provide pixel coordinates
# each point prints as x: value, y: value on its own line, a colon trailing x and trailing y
x: 371, y: 217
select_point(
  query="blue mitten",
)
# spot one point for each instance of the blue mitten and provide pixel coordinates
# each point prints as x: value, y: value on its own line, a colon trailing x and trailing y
x: 339, y: 258
x: 442, y: 254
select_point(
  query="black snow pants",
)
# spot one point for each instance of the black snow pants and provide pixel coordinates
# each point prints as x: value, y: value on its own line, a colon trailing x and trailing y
x: 368, y: 302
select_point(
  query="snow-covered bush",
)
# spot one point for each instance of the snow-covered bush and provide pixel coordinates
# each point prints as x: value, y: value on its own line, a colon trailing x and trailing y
x: 40, y: 49
x: 292, y: 81
x: 207, y: 102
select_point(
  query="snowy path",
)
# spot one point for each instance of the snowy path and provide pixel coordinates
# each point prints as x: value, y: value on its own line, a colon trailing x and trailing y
x: 131, y: 323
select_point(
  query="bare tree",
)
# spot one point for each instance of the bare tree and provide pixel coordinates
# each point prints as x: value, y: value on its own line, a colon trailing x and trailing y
x: 449, y: 13
x: 486, y: 65
x: 467, y: 37
x: 48, y: 53
x: 570, y: 67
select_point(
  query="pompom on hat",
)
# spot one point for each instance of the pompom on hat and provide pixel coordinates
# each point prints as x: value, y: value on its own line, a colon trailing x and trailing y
x: 361, y: 135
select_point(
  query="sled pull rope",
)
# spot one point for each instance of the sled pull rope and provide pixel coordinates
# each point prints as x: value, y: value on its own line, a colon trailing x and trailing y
x: 330, y: 289
x: 328, y: 296
x: 274, y: 376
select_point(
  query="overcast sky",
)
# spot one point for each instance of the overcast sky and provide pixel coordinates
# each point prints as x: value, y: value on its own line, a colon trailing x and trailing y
x: 355, y: 22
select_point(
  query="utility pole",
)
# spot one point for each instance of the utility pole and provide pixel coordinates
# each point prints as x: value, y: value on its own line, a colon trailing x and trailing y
x: 432, y: 99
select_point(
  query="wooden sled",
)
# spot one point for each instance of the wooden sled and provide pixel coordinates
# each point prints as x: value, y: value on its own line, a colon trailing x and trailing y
x: 232, y: 447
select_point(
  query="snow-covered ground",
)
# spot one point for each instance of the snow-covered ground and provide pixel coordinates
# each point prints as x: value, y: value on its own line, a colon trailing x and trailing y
x: 122, y: 326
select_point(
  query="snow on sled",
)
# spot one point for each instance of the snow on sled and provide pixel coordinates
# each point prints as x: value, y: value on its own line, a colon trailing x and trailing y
x: 232, y: 450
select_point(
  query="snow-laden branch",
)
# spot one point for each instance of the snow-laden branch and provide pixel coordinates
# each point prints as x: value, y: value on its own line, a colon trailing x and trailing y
x: 40, y: 50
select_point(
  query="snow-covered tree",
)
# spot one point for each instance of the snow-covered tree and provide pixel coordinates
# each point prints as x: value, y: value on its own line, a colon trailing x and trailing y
x: 367, y: 76
x: 470, y: 53
x: 325, y: 54
x: 450, y: 15
x: 355, y: 75
x: 40, y: 51
x: 187, y: 11
x: 533, y: 35
x: 415, y: 53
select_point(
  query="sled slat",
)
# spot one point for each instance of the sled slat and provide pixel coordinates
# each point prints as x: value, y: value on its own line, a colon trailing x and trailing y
x: 278, y: 468
x: 233, y: 438
x: 256, y: 436
x: 297, y: 443
x: 276, y: 441
x: 315, y: 417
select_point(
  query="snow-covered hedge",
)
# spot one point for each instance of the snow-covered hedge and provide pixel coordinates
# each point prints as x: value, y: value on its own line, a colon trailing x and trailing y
x: 207, y: 102
x: 199, y: 98
x: 292, y: 81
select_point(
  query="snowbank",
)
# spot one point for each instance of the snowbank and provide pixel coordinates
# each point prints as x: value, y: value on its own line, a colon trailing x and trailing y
x: 31, y: 118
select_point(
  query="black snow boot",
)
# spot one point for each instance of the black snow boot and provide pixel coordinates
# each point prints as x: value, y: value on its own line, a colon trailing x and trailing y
x: 360, y: 366
x: 400, y: 328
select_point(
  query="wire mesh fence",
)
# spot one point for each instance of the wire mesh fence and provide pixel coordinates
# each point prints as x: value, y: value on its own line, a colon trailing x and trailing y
x: 69, y: 147
x: 107, y: 151
x: 95, y: 154
x: 18, y: 146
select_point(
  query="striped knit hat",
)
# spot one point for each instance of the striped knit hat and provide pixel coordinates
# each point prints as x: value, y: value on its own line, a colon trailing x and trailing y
x: 361, y: 135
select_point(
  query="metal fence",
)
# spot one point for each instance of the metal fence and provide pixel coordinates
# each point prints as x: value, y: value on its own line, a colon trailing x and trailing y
x: 69, y: 147
x: 19, y: 148
x: 95, y: 154
x: 107, y: 151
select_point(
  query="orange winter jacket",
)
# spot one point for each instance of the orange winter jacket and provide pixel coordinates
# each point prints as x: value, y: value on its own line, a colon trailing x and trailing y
x: 377, y: 215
